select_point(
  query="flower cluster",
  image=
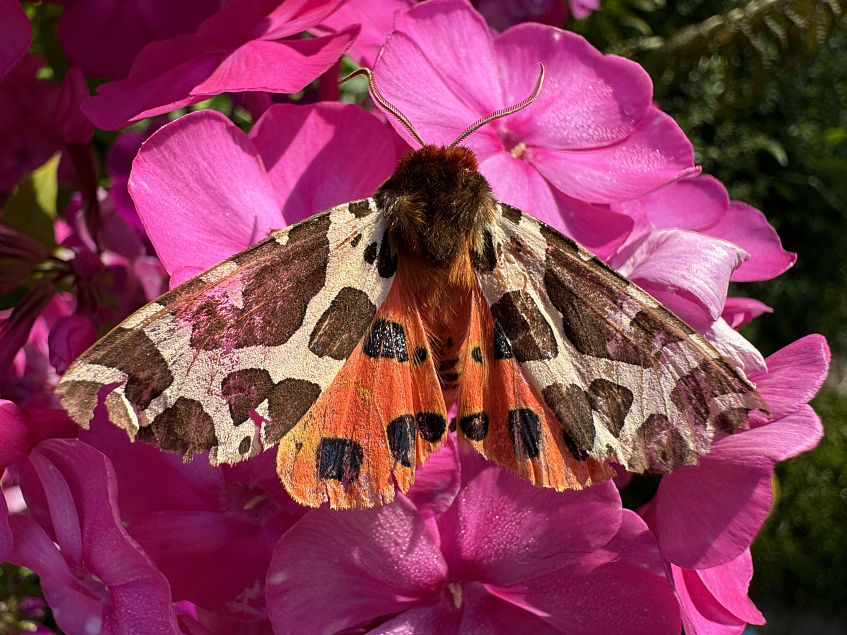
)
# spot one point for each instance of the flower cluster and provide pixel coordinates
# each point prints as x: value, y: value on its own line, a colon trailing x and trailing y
x: 127, y: 539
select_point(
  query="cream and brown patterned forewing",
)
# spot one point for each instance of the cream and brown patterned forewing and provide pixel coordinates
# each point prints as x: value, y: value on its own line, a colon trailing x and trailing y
x: 266, y: 331
x: 627, y: 379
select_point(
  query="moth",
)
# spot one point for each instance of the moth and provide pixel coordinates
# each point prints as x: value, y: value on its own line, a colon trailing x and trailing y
x: 345, y: 338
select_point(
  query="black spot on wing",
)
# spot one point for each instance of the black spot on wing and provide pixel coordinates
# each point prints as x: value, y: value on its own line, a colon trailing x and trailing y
x: 386, y: 339
x: 359, y: 209
x: 339, y: 459
x: 612, y: 401
x: 420, y: 355
x: 486, y: 259
x: 264, y: 302
x: 431, y: 425
x: 529, y: 334
x: 511, y: 213
x: 476, y: 354
x: 525, y: 430
x: 502, y: 348
x: 474, y: 426
x: 184, y: 428
x: 244, y: 446
x: 387, y: 258
x: 401, y: 439
x: 147, y: 371
x: 342, y: 325
x: 572, y: 408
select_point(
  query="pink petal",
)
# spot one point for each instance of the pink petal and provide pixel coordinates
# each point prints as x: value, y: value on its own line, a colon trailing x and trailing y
x: 607, y: 591
x: 795, y: 374
x: 69, y: 338
x: 739, y: 311
x: 655, y: 153
x: 433, y: 48
x: 706, y: 515
x: 104, y: 37
x: 277, y: 66
x: 15, y: 442
x: 582, y: 8
x: 588, y: 100
x: 202, y: 192
x: 437, y: 481
x: 694, y: 203
x: 17, y: 34
x: 519, y: 184
x: 383, y: 554
x: 714, y: 601
x: 740, y: 353
x: 6, y: 538
x: 503, y: 530
x: 688, y: 264
x: 74, y: 127
x: 728, y: 584
x: 748, y: 228
x: 237, y: 49
x: 595, y: 227
x: 376, y: 18
x: 313, y: 155
x: 80, y: 487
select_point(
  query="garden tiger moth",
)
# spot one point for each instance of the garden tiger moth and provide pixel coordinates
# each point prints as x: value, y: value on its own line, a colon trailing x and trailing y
x: 346, y: 338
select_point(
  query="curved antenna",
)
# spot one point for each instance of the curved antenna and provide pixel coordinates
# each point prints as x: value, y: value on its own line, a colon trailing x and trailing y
x: 390, y: 108
x: 503, y: 112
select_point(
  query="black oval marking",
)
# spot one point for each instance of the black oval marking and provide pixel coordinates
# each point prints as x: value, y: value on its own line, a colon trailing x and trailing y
x: 487, y: 259
x: 244, y: 446
x: 184, y: 428
x: 511, y: 213
x: 401, y: 439
x: 475, y: 426
x: 525, y: 430
x: 341, y: 326
x: 386, y: 264
x: 386, y: 339
x: 288, y: 402
x: 431, y: 425
x: 529, y: 334
x: 420, y: 355
x: 339, y: 459
x: 612, y: 401
x: 572, y: 409
x: 359, y: 209
x: 370, y: 253
x: 502, y: 348
x: 476, y: 354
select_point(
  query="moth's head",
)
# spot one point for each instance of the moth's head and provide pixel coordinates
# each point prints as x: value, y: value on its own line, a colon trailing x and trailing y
x: 436, y: 202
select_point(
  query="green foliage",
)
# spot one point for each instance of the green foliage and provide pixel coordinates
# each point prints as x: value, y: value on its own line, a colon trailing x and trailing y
x: 800, y: 556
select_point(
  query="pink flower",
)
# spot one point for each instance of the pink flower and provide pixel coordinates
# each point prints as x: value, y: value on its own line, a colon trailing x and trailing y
x: 592, y: 136
x: 95, y: 577
x: 206, y: 190
x: 103, y: 38
x: 249, y: 45
x: 501, y: 14
x: 28, y: 134
x: 714, y: 601
x: 495, y: 556
x: 209, y: 530
x: 706, y: 515
x: 17, y: 34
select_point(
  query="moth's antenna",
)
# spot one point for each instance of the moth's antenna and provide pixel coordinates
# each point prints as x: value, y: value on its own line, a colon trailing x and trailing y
x: 503, y: 112
x: 385, y: 104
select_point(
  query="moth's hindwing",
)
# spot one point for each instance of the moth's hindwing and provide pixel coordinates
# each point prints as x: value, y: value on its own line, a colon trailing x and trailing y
x: 499, y: 414
x: 382, y: 415
x: 626, y: 379
x: 265, y: 331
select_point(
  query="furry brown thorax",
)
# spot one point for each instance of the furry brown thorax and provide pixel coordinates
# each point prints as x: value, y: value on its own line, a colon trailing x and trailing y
x: 436, y: 204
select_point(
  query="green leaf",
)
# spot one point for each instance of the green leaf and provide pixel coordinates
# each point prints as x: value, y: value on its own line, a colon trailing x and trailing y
x: 32, y: 206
